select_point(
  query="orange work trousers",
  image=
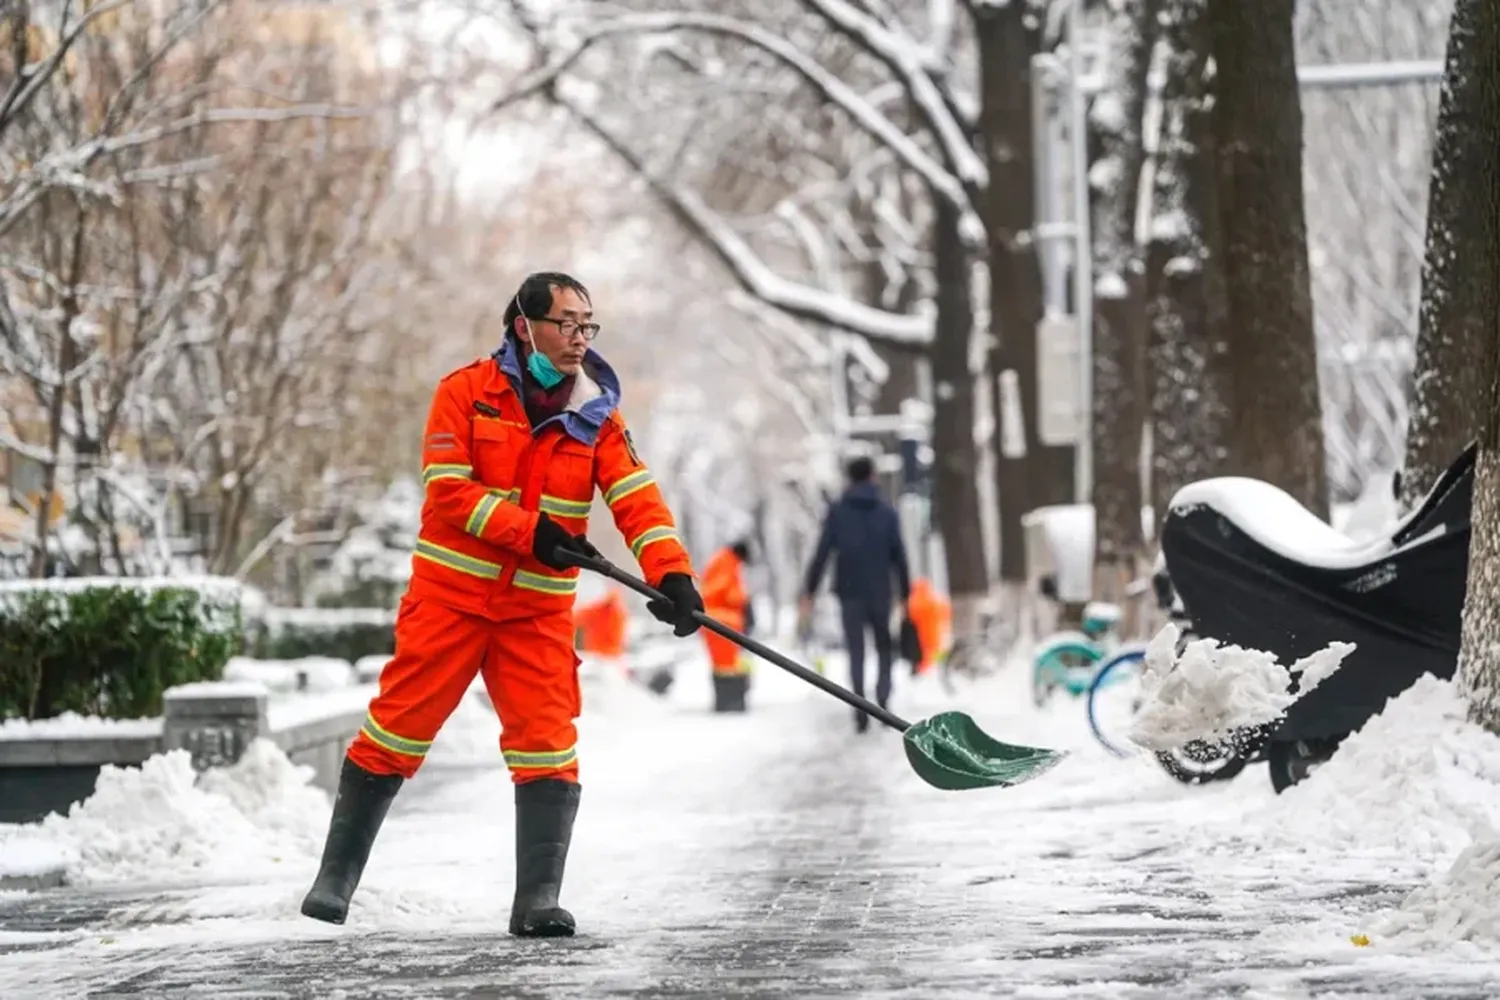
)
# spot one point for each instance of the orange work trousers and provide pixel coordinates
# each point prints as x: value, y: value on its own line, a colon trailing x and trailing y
x: 530, y: 671
x: 727, y: 658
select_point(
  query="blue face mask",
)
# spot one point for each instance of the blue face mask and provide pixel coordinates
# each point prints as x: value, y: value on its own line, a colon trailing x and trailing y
x: 540, y: 366
x: 543, y: 370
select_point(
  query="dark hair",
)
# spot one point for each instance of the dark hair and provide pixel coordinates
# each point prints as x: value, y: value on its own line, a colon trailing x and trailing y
x: 535, y: 295
x: 741, y: 549
x: 860, y: 470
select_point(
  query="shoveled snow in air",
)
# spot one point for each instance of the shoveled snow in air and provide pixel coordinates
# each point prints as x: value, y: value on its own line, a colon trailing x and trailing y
x: 1210, y: 690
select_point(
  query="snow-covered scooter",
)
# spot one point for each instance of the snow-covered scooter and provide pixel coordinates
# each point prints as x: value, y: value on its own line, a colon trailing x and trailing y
x: 1249, y: 566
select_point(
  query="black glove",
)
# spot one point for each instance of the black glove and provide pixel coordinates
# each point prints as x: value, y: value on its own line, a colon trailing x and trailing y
x: 551, y: 544
x: 678, y: 589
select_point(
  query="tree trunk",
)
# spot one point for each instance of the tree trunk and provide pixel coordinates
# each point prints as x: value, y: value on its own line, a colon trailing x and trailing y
x: 955, y: 486
x: 1187, y: 360
x: 1450, y: 390
x: 1008, y: 35
x: 1277, y: 416
x: 1461, y: 295
x: 67, y: 350
x: 1119, y: 333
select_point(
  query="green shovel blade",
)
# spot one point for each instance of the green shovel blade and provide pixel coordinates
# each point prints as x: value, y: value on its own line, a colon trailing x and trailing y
x: 949, y: 751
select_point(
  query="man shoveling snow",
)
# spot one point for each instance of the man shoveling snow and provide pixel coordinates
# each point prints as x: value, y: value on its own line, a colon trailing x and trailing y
x: 1208, y: 692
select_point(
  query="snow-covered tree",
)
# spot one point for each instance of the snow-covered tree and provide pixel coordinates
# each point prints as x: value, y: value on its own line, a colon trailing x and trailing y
x: 1277, y: 426
x: 1118, y: 154
x: 1457, y: 306
x: 1186, y: 305
x: 1461, y: 307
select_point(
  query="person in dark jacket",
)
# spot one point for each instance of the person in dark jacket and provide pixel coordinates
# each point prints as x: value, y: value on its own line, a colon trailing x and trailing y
x: 863, y: 528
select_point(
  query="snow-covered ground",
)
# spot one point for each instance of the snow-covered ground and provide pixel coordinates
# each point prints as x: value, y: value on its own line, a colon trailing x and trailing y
x: 779, y: 853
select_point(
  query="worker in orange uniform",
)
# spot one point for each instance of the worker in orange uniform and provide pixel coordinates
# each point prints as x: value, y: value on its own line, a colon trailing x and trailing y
x: 514, y: 448
x: 726, y: 600
x: 602, y: 625
x: 931, y: 614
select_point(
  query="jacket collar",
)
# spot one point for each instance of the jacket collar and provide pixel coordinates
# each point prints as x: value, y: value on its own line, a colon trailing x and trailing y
x: 596, y: 390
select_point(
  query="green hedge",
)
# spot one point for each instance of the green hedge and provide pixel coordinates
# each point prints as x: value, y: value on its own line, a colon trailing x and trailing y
x: 110, y: 647
x: 344, y: 633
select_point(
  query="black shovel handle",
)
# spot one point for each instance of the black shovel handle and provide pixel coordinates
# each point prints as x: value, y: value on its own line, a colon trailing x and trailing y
x: 606, y: 568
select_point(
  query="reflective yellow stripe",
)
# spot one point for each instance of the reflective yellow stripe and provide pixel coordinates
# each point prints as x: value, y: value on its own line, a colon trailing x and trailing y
x: 456, y: 560
x: 637, y: 480
x: 556, y: 506
x: 559, y: 507
x: 480, y: 515
x: 545, y: 584
x: 532, y: 760
x: 658, y: 534
x: 390, y: 741
x: 432, y: 472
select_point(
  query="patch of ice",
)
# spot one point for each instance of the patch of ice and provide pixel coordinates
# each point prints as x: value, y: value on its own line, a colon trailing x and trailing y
x: 1418, y: 778
x: 71, y: 725
x: 163, y: 822
x: 1209, y: 691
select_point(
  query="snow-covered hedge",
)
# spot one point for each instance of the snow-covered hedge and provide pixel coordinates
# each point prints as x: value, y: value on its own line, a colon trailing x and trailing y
x: 345, y: 633
x: 110, y: 647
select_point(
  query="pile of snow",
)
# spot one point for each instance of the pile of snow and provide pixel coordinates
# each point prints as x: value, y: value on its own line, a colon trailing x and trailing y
x: 1460, y: 908
x: 71, y: 725
x: 1209, y: 691
x: 1418, y: 779
x: 25, y: 854
x: 164, y: 822
x: 309, y: 673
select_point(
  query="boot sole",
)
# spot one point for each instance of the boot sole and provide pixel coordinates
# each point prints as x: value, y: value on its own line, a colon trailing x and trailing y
x: 547, y: 930
x: 329, y: 913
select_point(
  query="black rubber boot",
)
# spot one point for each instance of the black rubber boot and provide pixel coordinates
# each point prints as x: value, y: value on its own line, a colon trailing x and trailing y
x: 358, y: 810
x: 723, y: 697
x: 544, y: 828
x: 739, y: 687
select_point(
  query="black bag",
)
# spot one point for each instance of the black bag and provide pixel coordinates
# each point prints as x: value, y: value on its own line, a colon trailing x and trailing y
x: 911, y: 644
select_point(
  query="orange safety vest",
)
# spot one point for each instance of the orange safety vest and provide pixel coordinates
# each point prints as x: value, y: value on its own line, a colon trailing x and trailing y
x: 488, y: 474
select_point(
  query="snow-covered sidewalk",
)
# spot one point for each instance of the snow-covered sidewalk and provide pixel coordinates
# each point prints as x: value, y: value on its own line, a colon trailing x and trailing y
x: 779, y: 853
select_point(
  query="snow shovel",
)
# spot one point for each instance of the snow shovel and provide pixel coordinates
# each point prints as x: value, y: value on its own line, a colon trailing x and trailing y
x: 948, y: 751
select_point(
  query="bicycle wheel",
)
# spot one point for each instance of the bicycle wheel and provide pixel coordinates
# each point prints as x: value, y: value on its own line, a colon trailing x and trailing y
x: 1057, y: 660
x: 1115, y: 672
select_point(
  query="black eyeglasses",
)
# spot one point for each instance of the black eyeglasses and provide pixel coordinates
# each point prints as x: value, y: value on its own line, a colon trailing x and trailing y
x: 570, y: 327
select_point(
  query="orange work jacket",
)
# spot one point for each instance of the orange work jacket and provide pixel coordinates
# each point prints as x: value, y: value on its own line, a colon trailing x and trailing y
x: 723, y: 592
x: 488, y: 474
x: 931, y: 614
x: 602, y: 625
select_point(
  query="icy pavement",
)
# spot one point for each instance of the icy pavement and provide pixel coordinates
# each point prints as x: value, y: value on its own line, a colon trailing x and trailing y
x: 775, y: 855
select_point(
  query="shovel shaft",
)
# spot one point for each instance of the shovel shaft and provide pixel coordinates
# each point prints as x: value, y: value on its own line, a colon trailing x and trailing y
x: 643, y: 588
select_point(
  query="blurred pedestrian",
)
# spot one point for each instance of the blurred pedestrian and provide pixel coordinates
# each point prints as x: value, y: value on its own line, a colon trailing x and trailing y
x: 864, y: 531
